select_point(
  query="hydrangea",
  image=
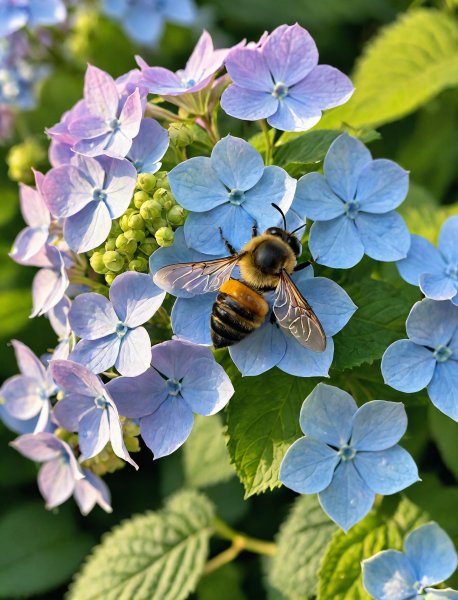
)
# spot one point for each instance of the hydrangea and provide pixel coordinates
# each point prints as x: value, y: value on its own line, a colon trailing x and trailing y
x: 429, y: 358
x: 110, y: 330
x: 348, y: 454
x: 91, y: 491
x: 25, y: 398
x: 58, y: 317
x: 184, y: 379
x: 231, y: 190
x: 14, y: 14
x: 435, y: 270
x: 201, y: 67
x: 108, y: 123
x: 144, y: 20
x: 429, y: 558
x: 50, y: 282
x: 148, y: 147
x: 270, y: 345
x: 281, y: 80
x: 88, y: 409
x: 353, y: 205
x: 88, y: 194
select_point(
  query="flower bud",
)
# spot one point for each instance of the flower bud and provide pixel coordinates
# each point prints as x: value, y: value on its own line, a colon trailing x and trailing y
x: 176, y: 215
x: 125, y: 245
x: 151, y: 210
x: 124, y: 220
x: 148, y: 246
x: 139, y: 264
x: 115, y: 229
x: 164, y: 237
x: 110, y: 244
x: 158, y: 223
x: 22, y: 157
x: 139, y: 198
x: 135, y: 234
x: 110, y: 277
x: 146, y: 181
x: 136, y: 221
x: 160, y: 195
x: 180, y: 135
x: 162, y: 181
x: 97, y: 263
x: 114, y: 261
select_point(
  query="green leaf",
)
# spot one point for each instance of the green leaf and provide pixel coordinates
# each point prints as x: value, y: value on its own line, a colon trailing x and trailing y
x: 205, y: 456
x: 15, y: 308
x: 263, y: 421
x: 301, y: 544
x: 379, y: 321
x: 224, y: 584
x: 310, y: 147
x: 444, y: 433
x: 155, y: 556
x: 340, y: 573
x: 38, y: 550
x: 408, y: 63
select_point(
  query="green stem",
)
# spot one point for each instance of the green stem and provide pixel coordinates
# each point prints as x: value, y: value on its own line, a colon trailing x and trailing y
x: 268, y: 141
x: 94, y: 285
x: 241, y: 541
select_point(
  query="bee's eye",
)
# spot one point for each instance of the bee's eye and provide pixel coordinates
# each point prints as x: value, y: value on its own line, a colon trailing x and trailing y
x: 275, y: 231
x: 295, y: 245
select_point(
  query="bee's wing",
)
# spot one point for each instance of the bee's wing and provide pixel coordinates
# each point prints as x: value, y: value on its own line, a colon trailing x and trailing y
x: 196, y: 277
x: 295, y: 314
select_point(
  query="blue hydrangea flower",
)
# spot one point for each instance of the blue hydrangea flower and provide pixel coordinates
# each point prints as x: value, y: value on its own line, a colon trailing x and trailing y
x: 149, y: 147
x: 109, y: 124
x: 233, y: 190
x: 270, y: 345
x: 14, y: 14
x: 184, y: 379
x: 281, y: 80
x: 144, y: 20
x: 50, y: 282
x: 58, y: 476
x: 429, y: 558
x: 429, y: 358
x: 110, y: 330
x: 353, y: 205
x: 58, y: 318
x: 26, y: 397
x: 91, y: 491
x: 435, y: 270
x: 88, y: 194
x: 348, y: 454
x: 88, y: 409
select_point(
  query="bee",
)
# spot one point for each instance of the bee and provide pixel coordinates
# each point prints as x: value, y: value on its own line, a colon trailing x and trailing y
x: 266, y: 263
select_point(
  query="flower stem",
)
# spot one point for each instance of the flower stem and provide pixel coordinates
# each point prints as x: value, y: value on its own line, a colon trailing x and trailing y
x: 94, y: 285
x: 268, y: 141
x: 241, y: 542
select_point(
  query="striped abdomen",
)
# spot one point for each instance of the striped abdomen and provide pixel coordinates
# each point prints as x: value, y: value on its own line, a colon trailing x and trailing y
x: 237, y: 311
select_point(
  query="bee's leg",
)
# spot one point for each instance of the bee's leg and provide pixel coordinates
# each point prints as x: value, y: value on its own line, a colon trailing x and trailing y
x: 304, y: 265
x: 273, y: 319
x: 229, y: 247
x: 254, y: 230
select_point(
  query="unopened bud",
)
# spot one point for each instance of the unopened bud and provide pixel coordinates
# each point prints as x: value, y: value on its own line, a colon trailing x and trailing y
x: 139, y: 198
x: 148, y: 246
x: 136, y: 221
x: 176, y: 215
x: 158, y: 223
x: 160, y: 195
x: 162, y: 181
x: 125, y: 245
x: 135, y: 234
x: 110, y: 244
x: 97, y: 263
x: 180, y: 135
x: 146, y: 181
x: 151, y: 210
x: 110, y: 277
x: 164, y: 237
x: 115, y: 229
x: 139, y: 264
x: 114, y: 261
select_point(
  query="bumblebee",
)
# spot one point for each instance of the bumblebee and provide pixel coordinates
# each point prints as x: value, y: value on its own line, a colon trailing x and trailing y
x: 266, y: 263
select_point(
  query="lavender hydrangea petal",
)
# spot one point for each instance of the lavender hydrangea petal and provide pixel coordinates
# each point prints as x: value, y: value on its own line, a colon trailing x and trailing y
x: 176, y: 358
x: 237, y: 163
x: 343, y: 164
x: 448, y: 239
x: 443, y: 390
x: 378, y: 425
x: 168, y: 427
x: 243, y: 103
x: 247, y: 68
x: 92, y: 316
x: 437, y: 286
x: 206, y: 388
x: 134, y: 353
x: 422, y: 257
x: 148, y: 147
x: 135, y: 298
x: 137, y: 397
x: 382, y: 186
x: 347, y: 499
x: 29, y: 364
x: 90, y: 491
x: 75, y: 378
x: 324, y: 87
x: 319, y: 202
x: 431, y: 553
x: 294, y: 115
x: 159, y: 80
x: 303, y: 362
x: 28, y: 243
x: 327, y: 415
x: 71, y: 409
x: 407, y: 367
x: 67, y: 190
x: 33, y: 207
x: 55, y: 482
x: 432, y: 323
x: 260, y: 351
x: 336, y: 243
x: 130, y: 116
x: 389, y: 576
x: 387, y: 471
x: 384, y: 237
x: 97, y: 355
x: 308, y: 466
x: 94, y: 432
x: 48, y: 287
x: 21, y: 398
x: 88, y: 126
x: 89, y: 228
x: 119, y: 184
x: 191, y: 318
x: 116, y: 439
x: 100, y: 93
x: 39, y: 447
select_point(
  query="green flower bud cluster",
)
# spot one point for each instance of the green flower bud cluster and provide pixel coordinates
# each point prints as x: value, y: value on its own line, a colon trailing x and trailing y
x: 22, y: 157
x: 147, y: 224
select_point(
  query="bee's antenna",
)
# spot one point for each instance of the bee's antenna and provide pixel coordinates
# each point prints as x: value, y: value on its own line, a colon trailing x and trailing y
x: 281, y: 212
x: 297, y: 228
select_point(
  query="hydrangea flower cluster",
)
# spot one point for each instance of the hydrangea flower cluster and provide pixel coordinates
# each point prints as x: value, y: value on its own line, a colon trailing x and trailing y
x: 128, y: 194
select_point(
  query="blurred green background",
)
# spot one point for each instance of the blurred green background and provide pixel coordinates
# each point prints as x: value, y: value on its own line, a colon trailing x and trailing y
x: 39, y: 552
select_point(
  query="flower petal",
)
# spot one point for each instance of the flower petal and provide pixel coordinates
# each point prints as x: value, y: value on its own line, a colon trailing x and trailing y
x: 432, y: 323
x: 387, y: 471
x: 437, y: 286
x: 422, y: 257
x: 347, y: 499
x: 407, y: 367
x: 293, y: 115
x: 90, y: 491
x: 97, y: 355
x: 69, y: 411
x: 389, y: 576
x: 431, y: 553
x: 385, y: 237
x: 168, y: 428
x: 33, y: 206
x: 29, y: 364
x: 93, y: 433
x: 319, y: 202
x: 134, y: 353
x: 206, y: 387
x: 303, y: 362
x: 56, y: 482
x: 48, y: 289
x: 72, y: 377
x: 443, y: 390
x: 326, y: 415
x: 378, y: 425
x: 382, y: 186
x: 39, y: 447
x: 120, y: 180
x: 28, y: 243
x: 343, y: 164
x: 259, y: 351
x: 89, y: 228
x: 336, y: 243
x: 100, y: 93
x: 67, y: 190
x: 175, y: 358
x: 196, y: 185
x: 324, y: 87
x: 149, y: 146
x: 92, y: 316
x: 135, y: 298
x: 137, y: 397
x: 21, y: 398
x: 131, y: 115
x: 248, y: 104
x: 237, y: 163
x: 248, y: 70
x: 447, y: 239
x: 116, y: 439
x: 191, y: 318
x: 308, y: 466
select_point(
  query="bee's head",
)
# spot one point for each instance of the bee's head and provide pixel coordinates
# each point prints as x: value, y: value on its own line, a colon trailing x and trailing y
x: 287, y: 237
